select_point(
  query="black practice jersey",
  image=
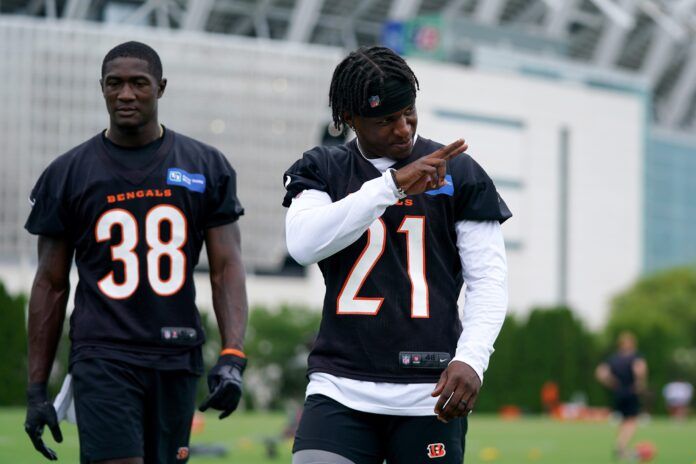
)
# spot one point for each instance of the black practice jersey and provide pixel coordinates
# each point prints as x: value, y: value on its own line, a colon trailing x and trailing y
x: 395, y: 289
x: 137, y: 235
x: 621, y: 367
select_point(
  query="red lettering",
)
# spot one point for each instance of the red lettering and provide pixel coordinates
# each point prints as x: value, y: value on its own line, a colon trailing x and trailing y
x: 140, y: 194
x: 120, y: 197
x: 409, y: 202
x: 167, y: 193
x: 149, y: 193
x: 110, y: 199
x: 130, y: 195
x: 158, y: 193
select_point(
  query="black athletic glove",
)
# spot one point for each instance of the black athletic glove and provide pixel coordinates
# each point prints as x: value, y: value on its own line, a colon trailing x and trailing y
x: 40, y: 412
x: 225, y: 385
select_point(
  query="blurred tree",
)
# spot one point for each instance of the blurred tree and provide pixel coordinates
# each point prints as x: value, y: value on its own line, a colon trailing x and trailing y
x: 13, y: 357
x: 552, y: 345
x: 211, y: 351
x: 557, y: 347
x: 503, y: 370
x: 277, y: 345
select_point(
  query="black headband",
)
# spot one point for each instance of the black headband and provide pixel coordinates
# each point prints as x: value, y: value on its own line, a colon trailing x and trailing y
x: 396, y: 95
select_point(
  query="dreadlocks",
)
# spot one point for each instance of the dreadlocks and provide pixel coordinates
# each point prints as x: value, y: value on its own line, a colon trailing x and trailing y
x: 361, y: 73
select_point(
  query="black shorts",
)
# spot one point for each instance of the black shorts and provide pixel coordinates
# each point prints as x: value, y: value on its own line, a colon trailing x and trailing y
x: 131, y: 411
x: 627, y: 404
x: 367, y: 438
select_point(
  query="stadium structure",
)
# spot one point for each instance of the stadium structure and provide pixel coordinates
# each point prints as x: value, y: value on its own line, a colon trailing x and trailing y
x: 581, y: 110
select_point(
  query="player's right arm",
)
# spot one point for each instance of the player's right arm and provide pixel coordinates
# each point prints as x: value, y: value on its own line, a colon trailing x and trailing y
x: 316, y: 227
x: 47, y: 303
x: 604, y: 376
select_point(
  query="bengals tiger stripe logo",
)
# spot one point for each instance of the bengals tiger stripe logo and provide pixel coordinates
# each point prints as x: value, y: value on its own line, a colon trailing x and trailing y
x: 436, y: 450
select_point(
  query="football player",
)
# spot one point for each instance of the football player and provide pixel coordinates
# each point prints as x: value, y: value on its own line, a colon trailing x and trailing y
x: 397, y: 223
x: 133, y: 205
x: 625, y: 374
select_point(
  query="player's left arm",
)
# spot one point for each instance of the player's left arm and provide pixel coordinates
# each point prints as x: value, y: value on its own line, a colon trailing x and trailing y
x: 640, y: 372
x: 227, y: 278
x: 484, y: 267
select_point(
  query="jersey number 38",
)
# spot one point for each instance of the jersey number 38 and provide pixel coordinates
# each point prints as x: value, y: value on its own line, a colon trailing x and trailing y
x: 157, y: 249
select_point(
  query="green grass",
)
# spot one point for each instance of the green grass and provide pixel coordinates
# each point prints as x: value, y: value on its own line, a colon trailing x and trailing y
x: 528, y: 440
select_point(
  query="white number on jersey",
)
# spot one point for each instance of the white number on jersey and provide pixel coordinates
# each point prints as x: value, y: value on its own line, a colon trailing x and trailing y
x: 124, y: 251
x: 349, y: 302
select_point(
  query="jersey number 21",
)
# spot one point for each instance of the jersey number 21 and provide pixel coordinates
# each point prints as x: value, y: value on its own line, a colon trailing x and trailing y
x: 349, y: 302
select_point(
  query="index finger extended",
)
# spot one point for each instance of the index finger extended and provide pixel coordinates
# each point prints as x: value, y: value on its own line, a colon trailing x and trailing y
x: 448, y: 151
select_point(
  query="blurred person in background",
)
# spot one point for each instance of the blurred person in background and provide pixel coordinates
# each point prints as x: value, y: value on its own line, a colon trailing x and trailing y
x: 625, y: 374
x: 134, y: 205
x: 678, y: 395
x: 396, y: 223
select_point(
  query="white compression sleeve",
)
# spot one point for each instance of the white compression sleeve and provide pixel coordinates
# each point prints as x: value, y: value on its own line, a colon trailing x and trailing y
x: 316, y: 227
x: 482, y: 253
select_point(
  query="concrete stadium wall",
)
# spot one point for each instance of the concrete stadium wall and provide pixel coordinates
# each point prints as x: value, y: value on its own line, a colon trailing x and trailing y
x: 261, y: 103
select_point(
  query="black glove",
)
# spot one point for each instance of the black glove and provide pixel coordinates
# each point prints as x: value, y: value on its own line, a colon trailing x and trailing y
x: 225, y: 385
x: 40, y: 412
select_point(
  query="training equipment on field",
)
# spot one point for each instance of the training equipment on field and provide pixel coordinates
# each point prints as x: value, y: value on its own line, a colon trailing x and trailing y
x: 645, y: 451
x: 534, y: 454
x: 489, y: 454
x: 208, y: 450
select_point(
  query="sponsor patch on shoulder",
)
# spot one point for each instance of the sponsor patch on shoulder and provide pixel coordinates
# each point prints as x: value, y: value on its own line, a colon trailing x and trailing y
x: 181, y: 178
x: 447, y: 189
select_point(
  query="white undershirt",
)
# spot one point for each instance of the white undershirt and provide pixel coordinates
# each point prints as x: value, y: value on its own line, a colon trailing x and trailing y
x: 316, y: 228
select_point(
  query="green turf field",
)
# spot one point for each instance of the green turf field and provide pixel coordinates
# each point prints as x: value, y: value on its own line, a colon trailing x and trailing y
x: 529, y: 440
